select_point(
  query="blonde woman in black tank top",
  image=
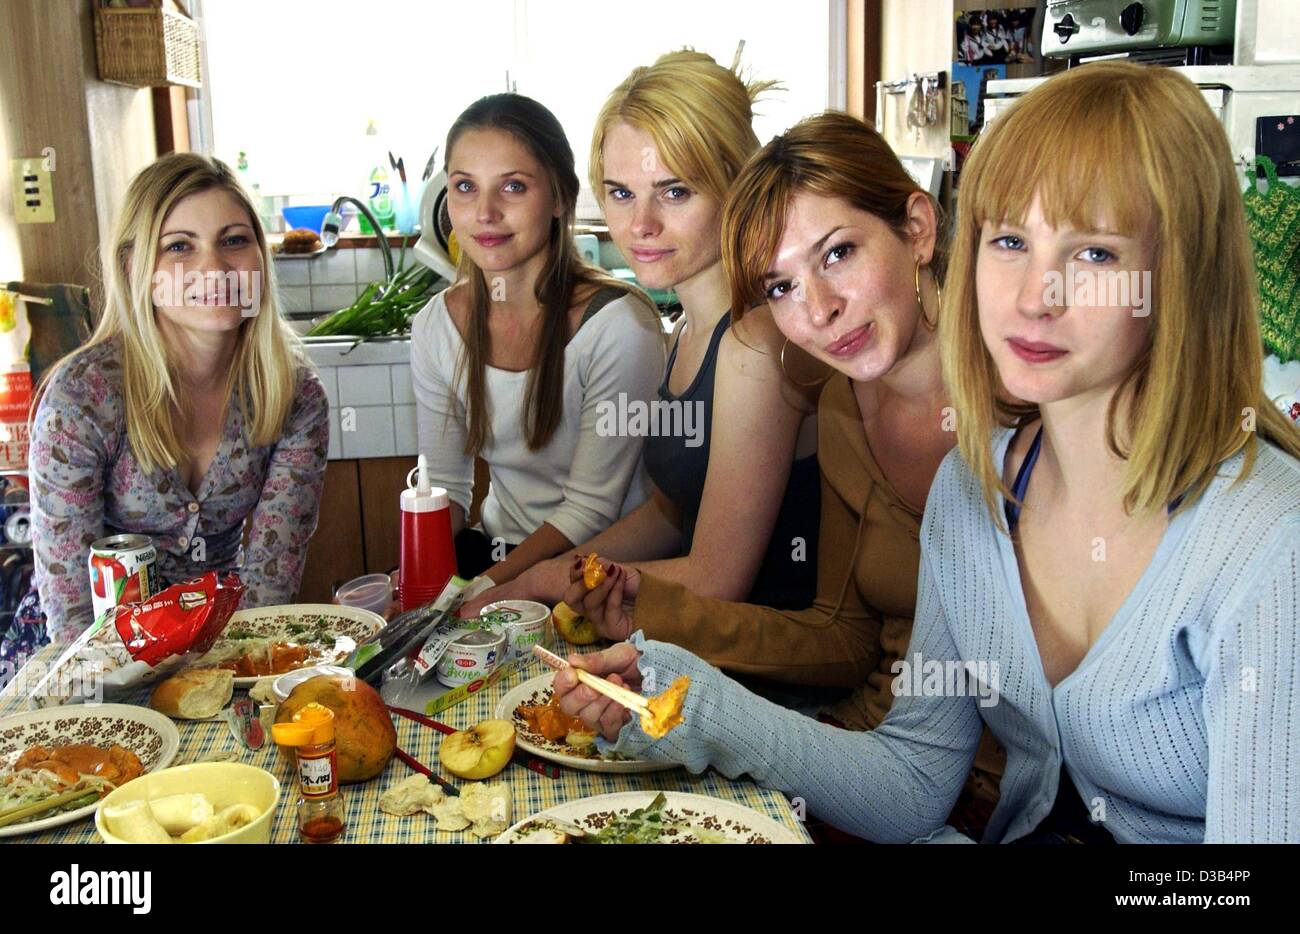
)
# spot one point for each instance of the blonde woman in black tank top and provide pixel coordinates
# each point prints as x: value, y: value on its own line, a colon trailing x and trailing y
x: 667, y: 145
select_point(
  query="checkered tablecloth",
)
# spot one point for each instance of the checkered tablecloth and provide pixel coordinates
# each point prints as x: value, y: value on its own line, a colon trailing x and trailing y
x: 367, y: 824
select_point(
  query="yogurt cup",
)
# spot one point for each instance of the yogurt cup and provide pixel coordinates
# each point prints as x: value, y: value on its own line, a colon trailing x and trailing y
x: 472, y: 656
x: 524, y: 622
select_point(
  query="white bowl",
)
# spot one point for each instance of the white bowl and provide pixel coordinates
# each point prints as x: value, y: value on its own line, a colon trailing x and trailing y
x: 222, y: 783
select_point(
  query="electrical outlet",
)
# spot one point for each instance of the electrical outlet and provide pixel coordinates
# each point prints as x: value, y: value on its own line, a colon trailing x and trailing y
x: 33, y: 190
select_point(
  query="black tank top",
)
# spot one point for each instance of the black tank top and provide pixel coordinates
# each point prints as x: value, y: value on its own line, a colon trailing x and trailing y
x: 679, y: 471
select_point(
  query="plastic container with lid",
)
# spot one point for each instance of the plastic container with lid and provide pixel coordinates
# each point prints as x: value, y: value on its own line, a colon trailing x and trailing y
x: 372, y: 592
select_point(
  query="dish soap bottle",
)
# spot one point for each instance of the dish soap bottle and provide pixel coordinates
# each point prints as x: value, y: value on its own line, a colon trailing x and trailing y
x: 321, y: 811
x: 379, y: 198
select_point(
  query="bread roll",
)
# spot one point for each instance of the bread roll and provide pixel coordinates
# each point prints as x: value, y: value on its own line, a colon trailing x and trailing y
x: 195, y: 694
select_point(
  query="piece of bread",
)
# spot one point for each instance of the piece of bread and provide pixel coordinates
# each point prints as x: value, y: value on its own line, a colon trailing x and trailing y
x: 195, y: 694
x: 300, y: 240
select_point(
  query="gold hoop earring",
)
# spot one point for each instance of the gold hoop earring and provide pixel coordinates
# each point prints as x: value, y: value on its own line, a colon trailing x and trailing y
x: 929, y: 325
x: 786, y: 374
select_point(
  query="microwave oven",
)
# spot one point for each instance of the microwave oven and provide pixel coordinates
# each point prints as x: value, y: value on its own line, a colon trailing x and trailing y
x: 1092, y: 27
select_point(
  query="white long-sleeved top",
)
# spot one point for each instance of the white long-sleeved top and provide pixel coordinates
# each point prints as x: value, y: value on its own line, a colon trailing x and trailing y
x: 1181, y: 724
x: 584, y: 479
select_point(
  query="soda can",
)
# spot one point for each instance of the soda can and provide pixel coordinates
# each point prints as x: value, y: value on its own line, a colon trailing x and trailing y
x: 123, y: 569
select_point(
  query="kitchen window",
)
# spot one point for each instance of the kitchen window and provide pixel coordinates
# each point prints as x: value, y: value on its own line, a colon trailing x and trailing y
x: 294, y: 86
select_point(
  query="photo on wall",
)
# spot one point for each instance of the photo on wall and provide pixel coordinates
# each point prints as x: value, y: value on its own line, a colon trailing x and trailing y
x: 996, y: 37
x: 974, y: 79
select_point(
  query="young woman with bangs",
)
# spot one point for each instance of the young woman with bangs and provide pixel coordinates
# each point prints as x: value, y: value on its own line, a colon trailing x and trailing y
x: 1116, y: 546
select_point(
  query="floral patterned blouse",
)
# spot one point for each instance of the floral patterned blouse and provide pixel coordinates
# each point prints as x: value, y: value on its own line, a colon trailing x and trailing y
x: 86, y: 484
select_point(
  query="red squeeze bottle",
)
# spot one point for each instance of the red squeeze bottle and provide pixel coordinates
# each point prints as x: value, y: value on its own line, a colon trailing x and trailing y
x: 428, y: 557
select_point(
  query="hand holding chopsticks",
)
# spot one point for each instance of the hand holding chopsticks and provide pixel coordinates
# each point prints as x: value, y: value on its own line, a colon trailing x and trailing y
x: 659, y: 714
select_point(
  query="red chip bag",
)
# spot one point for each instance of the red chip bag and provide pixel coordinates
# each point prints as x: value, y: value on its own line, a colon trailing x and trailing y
x: 133, y: 645
x: 186, y: 617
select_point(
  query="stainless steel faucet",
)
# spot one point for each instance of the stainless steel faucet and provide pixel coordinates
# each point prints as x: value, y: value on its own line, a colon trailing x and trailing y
x: 329, y: 231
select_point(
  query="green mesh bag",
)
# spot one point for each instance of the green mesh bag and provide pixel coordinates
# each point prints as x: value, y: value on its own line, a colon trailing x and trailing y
x: 1274, y: 221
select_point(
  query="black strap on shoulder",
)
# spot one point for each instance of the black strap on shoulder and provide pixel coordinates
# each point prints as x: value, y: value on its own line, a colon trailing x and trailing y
x: 603, y: 297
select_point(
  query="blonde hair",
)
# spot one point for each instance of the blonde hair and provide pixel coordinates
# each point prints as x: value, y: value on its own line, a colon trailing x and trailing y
x: 833, y: 155
x: 264, y: 371
x: 1129, y: 147
x: 698, y: 113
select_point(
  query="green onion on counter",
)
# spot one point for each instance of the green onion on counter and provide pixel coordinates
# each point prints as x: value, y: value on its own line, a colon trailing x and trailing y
x: 404, y: 294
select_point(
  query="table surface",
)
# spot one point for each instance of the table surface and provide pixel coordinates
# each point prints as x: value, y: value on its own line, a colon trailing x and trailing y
x: 530, y: 791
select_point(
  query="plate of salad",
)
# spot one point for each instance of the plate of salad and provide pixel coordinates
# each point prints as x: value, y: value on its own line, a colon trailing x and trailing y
x: 649, y: 817
x: 274, y: 640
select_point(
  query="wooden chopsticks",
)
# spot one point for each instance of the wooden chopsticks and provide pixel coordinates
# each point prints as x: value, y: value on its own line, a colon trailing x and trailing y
x: 432, y: 775
x: 620, y: 695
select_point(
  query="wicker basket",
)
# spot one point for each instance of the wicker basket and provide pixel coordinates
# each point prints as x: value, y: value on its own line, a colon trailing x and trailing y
x: 147, y: 48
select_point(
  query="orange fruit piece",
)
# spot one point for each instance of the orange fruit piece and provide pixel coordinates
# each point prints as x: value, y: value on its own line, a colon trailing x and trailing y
x: 593, y: 575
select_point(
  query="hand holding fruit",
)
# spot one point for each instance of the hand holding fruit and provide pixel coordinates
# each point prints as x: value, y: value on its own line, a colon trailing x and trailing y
x: 604, y: 596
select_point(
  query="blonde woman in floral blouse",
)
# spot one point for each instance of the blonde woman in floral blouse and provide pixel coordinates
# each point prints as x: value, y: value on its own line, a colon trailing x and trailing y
x: 191, y: 415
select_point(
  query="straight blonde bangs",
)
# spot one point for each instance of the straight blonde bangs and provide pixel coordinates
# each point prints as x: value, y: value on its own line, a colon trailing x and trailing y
x: 264, y: 371
x: 1134, y: 150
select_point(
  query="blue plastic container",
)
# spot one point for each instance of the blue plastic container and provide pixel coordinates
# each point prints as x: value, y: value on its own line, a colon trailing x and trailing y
x: 310, y: 216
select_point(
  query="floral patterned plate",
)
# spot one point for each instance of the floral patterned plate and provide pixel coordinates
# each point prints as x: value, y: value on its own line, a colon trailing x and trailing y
x: 538, y: 691
x: 147, y: 733
x: 687, y: 818
x: 333, y: 631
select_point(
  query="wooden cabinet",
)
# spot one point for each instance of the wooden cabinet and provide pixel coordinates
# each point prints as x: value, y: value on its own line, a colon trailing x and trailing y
x: 360, y: 522
x: 336, y: 553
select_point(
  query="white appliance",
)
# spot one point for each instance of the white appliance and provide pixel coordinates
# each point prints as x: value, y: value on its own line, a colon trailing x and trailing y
x: 1238, y: 95
x: 434, y: 248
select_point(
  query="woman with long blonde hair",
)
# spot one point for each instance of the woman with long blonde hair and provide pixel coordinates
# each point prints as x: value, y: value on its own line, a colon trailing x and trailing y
x: 191, y: 415
x: 668, y: 143
x: 1110, y: 566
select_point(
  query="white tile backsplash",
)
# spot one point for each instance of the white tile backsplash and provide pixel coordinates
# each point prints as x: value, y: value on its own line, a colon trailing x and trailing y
x: 365, y: 385
x: 293, y: 271
x: 403, y: 393
x: 369, y: 390
x: 367, y: 431
x: 334, y: 267
x: 295, y: 298
x: 406, y: 433
x: 336, y: 442
x: 329, y: 378
x: 327, y: 298
x: 370, y: 264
